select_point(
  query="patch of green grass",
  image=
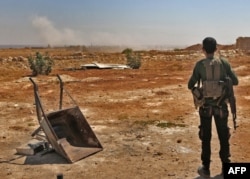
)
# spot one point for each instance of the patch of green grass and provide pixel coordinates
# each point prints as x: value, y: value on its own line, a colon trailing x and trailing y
x: 31, y: 124
x: 169, y: 124
x: 123, y: 116
x: 145, y: 123
x: 159, y: 124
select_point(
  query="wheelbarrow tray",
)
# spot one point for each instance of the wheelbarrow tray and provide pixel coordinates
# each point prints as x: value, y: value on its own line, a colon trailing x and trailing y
x: 70, y: 134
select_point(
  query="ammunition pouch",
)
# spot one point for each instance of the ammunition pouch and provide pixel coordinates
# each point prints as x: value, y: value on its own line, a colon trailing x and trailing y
x: 212, y: 89
x: 198, y: 97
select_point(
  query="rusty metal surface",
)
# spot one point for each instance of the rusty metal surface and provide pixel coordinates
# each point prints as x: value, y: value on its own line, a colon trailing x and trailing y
x: 74, y: 136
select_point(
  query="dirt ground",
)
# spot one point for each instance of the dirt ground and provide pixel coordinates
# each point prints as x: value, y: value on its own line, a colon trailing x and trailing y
x: 145, y: 119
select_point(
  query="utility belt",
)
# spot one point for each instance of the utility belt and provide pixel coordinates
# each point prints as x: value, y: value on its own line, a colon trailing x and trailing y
x: 212, y: 98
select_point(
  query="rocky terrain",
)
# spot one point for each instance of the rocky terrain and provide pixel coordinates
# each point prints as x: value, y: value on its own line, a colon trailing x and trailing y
x: 144, y: 118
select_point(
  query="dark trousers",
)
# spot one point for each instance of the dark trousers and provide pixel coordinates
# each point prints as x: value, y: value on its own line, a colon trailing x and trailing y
x: 205, y: 133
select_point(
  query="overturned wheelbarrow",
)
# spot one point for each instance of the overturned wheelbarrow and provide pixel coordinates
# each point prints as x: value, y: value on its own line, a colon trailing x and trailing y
x: 67, y: 130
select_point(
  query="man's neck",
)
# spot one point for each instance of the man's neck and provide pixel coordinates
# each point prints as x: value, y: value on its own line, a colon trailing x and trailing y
x: 209, y: 55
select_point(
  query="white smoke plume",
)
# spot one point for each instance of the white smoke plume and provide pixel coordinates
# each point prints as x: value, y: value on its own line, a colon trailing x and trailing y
x: 53, y: 36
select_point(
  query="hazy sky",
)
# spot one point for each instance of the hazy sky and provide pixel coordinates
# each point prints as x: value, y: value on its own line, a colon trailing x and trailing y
x: 122, y: 22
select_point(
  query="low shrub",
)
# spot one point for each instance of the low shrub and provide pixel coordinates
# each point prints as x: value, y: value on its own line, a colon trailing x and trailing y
x: 133, y: 59
x: 40, y: 64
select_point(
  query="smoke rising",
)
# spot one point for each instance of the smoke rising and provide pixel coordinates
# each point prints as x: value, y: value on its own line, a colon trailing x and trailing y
x: 92, y: 35
x: 49, y: 34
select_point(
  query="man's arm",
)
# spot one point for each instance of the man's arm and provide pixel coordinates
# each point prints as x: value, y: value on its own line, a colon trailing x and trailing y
x: 232, y: 100
x: 230, y: 72
x: 231, y: 80
x: 194, y: 77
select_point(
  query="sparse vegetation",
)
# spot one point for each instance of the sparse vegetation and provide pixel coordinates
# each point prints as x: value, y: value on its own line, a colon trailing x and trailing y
x: 129, y: 110
x: 159, y: 123
x: 40, y: 64
x: 169, y: 124
x: 123, y: 116
x: 145, y: 123
x: 177, y: 49
x: 133, y: 59
x: 127, y: 51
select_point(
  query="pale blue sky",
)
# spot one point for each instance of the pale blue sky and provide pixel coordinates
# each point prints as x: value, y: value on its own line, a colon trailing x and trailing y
x: 122, y: 22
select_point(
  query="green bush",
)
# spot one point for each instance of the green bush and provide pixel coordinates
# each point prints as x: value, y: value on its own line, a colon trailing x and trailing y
x: 133, y: 59
x: 127, y: 51
x: 40, y: 64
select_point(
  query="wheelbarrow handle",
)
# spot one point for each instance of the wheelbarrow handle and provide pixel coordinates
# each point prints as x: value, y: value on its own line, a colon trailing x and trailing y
x: 34, y: 84
x: 39, y: 109
x: 61, y: 91
x: 60, y: 79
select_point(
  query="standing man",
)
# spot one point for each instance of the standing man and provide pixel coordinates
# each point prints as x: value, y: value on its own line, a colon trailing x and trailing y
x: 212, y: 74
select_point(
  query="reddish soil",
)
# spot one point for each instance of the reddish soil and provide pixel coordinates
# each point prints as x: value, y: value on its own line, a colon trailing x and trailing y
x: 145, y: 119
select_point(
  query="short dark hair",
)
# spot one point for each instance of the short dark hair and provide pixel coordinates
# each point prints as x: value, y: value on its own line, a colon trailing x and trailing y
x: 209, y: 44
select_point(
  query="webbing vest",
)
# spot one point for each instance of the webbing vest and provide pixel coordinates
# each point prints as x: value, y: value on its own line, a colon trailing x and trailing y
x: 212, y: 87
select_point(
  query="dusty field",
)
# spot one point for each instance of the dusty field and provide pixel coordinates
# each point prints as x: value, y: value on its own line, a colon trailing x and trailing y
x: 145, y: 119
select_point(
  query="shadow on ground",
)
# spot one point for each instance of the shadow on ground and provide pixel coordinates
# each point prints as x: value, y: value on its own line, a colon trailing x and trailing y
x: 215, y: 177
x: 50, y: 158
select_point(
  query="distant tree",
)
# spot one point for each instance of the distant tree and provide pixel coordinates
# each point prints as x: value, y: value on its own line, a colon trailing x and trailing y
x: 127, y: 51
x: 40, y: 64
